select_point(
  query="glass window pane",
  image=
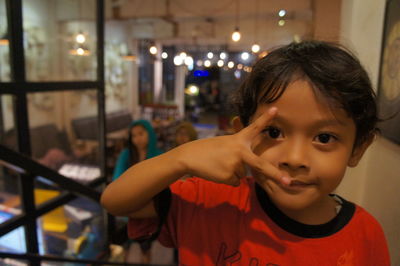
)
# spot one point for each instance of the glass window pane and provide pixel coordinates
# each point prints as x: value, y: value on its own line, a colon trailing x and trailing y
x: 13, y: 262
x: 4, y: 44
x: 10, y: 199
x: 64, y: 132
x: 60, y: 39
x: 14, y: 241
x: 8, y: 136
x: 80, y: 231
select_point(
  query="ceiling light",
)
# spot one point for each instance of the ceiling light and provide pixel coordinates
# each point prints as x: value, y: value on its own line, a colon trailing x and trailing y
x: 207, y: 63
x: 281, y: 22
x: 80, y: 38
x: 255, y: 48
x: 210, y: 55
x: 153, y: 49
x: 178, y: 60
x: 220, y: 63
x: 199, y: 63
x: 4, y: 39
x: 164, y: 55
x: 189, y: 61
x: 231, y: 64
x: 129, y: 57
x: 282, y: 12
x: 236, y: 35
x: 183, y: 55
x: 245, y: 56
x: 222, y: 55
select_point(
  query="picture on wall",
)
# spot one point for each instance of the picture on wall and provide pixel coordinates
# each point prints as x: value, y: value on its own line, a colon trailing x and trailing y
x: 389, y: 81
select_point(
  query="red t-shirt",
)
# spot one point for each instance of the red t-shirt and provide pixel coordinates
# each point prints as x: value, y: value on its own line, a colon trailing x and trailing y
x: 215, y: 224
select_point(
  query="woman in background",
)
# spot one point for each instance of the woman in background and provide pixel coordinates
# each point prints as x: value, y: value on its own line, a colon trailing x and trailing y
x: 185, y: 132
x: 142, y: 145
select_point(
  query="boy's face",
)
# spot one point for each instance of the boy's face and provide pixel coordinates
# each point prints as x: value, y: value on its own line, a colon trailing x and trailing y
x: 309, y: 142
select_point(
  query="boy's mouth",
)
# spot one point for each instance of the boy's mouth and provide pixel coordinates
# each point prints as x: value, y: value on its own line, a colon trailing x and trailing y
x: 297, y: 184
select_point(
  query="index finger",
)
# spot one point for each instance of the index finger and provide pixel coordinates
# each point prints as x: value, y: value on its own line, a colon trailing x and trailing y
x: 255, y: 128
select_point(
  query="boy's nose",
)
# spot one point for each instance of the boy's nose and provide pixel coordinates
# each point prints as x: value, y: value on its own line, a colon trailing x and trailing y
x: 295, y: 156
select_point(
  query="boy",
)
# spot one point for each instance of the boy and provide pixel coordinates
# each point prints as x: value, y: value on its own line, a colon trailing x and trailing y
x: 307, y: 111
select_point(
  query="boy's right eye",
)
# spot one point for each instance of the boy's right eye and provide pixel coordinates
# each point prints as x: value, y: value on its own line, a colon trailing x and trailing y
x: 272, y: 132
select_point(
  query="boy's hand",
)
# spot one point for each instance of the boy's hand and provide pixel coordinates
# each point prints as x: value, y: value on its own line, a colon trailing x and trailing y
x: 223, y: 159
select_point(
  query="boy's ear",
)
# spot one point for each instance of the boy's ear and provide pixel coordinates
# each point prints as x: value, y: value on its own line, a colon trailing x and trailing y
x: 237, y: 124
x: 358, y: 152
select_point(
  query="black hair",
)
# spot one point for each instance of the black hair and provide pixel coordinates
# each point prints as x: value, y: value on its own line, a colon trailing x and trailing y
x: 332, y: 71
x: 133, y: 150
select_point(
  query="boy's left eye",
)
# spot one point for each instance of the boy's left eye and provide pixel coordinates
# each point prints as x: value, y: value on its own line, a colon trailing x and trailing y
x: 325, y: 138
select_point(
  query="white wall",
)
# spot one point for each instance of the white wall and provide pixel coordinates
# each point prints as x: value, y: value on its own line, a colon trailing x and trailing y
x: 375, y: 183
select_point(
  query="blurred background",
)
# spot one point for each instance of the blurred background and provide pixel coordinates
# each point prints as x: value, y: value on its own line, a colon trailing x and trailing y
x: 74, y: 74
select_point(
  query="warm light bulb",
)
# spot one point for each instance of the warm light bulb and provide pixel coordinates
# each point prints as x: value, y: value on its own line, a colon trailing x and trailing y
x: 193, y: 89
x: 80, y: 38
x: 281, y: 22
x: 220, y: 63
x: 164, y: 55
x: 178, y: 60
x: 183, y: 55
x: 207, y: 63
x: 255, y: 48
x: 199, y: 63
x: 231, y: 64
x: 236, y: 35
x: 245, y: 56
x: 188, y: 61
x: 153, y: 49
x: 80, y: 51
x: 210, y: 55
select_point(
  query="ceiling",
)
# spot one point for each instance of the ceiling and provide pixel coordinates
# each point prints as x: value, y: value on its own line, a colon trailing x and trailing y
x: 211, y: 22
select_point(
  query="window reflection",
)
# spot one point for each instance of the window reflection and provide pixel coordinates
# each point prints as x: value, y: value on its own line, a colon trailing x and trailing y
x: 64, y: 132
x: 60, y: 40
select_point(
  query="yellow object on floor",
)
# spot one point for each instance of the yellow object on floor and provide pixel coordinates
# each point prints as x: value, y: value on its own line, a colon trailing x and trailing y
x: 54, y: 221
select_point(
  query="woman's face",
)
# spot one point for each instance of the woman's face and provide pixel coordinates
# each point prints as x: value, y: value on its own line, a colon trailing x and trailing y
x: 140, y: 137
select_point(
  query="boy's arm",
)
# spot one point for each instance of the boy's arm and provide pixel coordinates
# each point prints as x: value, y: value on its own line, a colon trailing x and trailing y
x: 132, y: 193
x: 220, y: 159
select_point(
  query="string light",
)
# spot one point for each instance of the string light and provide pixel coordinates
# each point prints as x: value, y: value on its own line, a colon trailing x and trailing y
x: 255, y: 48
x: 183, y: 55
x: 178, y: 60
x: 188, y: 61
x: 245, y: 56
x: 153, y: 49
x: 80, y: 38
x: 236, y: 35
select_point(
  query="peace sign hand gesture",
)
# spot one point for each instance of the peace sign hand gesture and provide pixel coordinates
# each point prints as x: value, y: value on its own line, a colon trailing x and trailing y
x: 223, y: 159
